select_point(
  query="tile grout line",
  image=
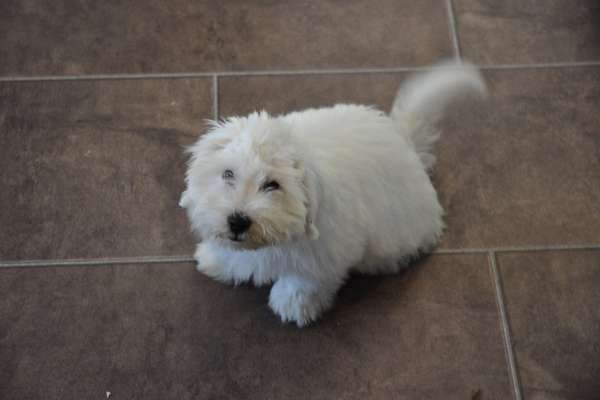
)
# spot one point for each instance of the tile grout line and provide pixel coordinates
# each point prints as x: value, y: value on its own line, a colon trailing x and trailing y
x: 341, y: 71
x: 508, y: 347
x: 189, y: 75
x: 551, y: 65
x: 75, y: 262
x: 459, y: 251
x: 519, y: 249
x: 453, y: 30
x: 215, y: 89
x: 100, y: 77
x: 188, y: 258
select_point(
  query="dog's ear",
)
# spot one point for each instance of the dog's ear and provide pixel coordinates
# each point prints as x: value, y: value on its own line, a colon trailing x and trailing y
x: 184, y: 201
x: 214, y: 144
x: 220, y: 134
x: 311, y: 203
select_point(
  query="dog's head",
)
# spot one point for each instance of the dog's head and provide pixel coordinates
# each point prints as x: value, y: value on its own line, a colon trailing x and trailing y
x: 247, y: 186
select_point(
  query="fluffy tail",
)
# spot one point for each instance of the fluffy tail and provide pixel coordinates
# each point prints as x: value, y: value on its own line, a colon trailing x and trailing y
x: 421, y: 101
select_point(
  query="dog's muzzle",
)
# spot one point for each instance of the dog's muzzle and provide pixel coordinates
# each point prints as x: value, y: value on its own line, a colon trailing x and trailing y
x: 238, y: 223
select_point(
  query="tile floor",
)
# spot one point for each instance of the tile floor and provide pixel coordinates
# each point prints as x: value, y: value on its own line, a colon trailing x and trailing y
x: 98, y: 291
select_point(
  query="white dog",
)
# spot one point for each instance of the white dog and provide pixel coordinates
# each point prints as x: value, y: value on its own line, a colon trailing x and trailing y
x: 302, y: 199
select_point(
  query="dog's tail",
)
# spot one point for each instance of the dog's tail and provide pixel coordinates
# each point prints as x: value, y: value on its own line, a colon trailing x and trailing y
x: 421, y: 101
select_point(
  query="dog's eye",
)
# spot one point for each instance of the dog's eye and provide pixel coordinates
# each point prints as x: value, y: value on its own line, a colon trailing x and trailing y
x: 228, y: 174
x: 270, y: 186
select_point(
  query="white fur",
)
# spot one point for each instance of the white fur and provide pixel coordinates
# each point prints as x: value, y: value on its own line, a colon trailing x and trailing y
x: 421, y: 101
x: 355, y: 193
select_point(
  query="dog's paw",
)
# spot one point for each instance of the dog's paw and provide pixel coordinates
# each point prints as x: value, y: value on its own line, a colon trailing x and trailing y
x: 207, y: 261
x: 296, y: 300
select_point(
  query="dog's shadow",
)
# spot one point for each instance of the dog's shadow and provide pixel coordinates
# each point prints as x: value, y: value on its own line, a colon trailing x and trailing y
x: 372, y: 292
x: 361, y: 295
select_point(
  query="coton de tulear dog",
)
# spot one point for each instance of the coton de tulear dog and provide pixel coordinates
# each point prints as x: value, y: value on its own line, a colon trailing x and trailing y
x: 300, y: 200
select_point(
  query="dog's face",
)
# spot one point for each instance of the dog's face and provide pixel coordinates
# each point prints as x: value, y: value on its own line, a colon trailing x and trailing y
x: 246, y: 186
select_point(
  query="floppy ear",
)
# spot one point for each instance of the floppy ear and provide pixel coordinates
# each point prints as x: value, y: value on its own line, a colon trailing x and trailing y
x: 219, y: 135
x: 311, y: 203
x: 184, y: 201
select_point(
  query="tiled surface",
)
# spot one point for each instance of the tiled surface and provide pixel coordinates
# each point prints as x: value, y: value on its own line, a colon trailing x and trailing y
x: 93, y: 168
x: 528, y: 31
x: 74, y: 37
x: 552, y: 303
x: 523, y: 168
x: 281, y: 94
x: 165, y: 331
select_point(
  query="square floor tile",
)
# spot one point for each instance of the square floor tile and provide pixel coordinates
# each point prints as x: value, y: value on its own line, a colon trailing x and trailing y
x: 528, y: 31
x: 552, y: 303
x: 166, y: 331
x: 74, y: 37
x: 95, y: 169
x: 282, y: 94
x: 523, y: 167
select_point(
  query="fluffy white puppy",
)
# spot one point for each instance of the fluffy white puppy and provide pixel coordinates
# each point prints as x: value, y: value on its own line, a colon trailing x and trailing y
x: 300, y: 200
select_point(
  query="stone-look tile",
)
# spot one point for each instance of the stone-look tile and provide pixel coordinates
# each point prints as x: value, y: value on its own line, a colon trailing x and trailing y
x: 528, y: 31
x: 70, y: 37
x: 166, y: 331
x: 281, y: 94
x: 95, y: 169
x: 552, y: 304
x: 521, y: 168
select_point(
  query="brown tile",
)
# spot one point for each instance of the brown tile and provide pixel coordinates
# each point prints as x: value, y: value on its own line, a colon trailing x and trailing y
x: 281, y: 94
x: 552, y: 304
x: 528, y: 31
x: 166, y: 331
x: 74, y: 37
x: 519, y: 169
x: 523, y: 168
x: 94, y: 169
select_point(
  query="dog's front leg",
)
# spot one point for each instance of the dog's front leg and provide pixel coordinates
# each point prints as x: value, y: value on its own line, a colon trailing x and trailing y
x: 301, y: 299
x: 228, y: 265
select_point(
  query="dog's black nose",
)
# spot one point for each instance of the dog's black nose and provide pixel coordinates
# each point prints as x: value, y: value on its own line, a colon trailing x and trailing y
x: 238, y: 223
